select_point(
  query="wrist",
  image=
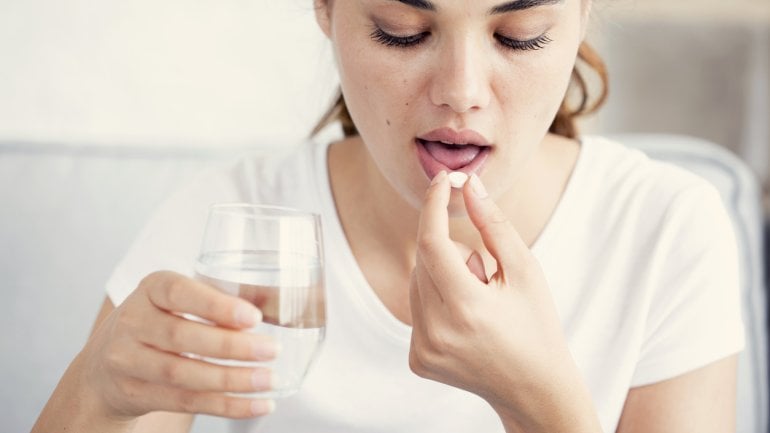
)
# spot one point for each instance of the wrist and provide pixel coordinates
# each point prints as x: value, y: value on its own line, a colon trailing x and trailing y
x: 565, y: 406
x: 76, y: 406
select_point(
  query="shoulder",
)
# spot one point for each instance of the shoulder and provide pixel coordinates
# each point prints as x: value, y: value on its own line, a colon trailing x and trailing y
x: 631, y: 206
x: 620, y: 163
x: 625, y: 175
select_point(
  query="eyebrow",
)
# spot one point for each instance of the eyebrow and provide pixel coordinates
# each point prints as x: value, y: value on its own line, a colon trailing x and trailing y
x: 520, y: 5
x: 515, y: 5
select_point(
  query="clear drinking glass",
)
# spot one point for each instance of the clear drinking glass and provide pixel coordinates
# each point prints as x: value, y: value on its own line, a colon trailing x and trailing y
x: 272, y: 257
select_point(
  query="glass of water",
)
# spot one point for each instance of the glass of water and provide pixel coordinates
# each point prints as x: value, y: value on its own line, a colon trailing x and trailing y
x: 272, y: 257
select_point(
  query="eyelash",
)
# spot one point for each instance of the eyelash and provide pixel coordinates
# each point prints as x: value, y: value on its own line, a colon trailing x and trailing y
x: 379, y: 35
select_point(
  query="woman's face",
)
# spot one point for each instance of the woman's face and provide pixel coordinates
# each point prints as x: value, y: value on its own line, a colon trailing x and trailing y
x: 458, y: 85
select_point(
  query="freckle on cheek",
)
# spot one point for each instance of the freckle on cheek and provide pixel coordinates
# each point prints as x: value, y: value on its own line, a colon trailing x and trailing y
x: 387, y: 121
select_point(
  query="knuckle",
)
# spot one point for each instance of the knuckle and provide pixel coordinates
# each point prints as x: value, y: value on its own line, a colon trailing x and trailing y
x: 527, y: 272
x: 171, y: 373
x: 420, y: 364
x: 436, y: 339
x: 463, y: 317
x: 232, y: 407
x: 125, y: 319
x: 226, y: 380
x: 218, y: 308
x: 175, y: 290
x: 415, y: 364
x: 149, y: 280
x: 496, y: 218
x: 428, y: 243
x: 154, y: 281
x: 188, y: 401
x: 227, y: 346
x: 175, y: 334
x: 114, y: 359
x: 127, y: 388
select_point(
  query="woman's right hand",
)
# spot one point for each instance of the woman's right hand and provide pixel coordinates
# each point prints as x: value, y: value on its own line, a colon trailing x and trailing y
x: 134, y: 364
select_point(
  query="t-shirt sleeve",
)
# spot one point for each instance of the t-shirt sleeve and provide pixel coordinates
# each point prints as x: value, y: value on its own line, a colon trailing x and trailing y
x: 170, y: 239
x: 694, y: 311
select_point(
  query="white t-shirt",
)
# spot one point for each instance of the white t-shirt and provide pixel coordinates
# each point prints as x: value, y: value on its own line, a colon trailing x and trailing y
x: 639, y: 255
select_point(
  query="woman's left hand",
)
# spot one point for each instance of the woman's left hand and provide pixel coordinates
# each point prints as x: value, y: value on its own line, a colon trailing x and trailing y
x: 499, y: 338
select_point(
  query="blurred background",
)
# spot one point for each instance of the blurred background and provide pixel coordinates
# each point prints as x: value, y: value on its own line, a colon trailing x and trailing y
x: 105, y: 107
x: 177, y: 72
x: 205, y: 73
x: 214, y: 73
x: 695, y: 67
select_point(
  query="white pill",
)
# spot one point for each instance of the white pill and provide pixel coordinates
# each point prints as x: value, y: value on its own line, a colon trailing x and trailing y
x: 457, y: 179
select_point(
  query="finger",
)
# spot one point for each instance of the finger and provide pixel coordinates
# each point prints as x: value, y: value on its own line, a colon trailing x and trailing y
x: 473, y: 261
x: 499, y: 236
x: 437, y: 251
x: 172, y: 333
x: 192, y: 374
x: 476, y: 266
x: 415, y: 301
x: 430, y: 295
x: 158, y: 397
x: 418, y: 325
x: 170, y: 291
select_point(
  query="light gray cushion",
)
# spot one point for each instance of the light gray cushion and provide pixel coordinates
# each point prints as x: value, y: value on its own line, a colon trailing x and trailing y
x: 68, y: 214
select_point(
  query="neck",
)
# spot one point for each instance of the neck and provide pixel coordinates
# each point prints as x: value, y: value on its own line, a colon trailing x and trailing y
x: 376, y: 217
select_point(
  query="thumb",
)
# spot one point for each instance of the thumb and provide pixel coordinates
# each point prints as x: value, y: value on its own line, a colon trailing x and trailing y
x: 498, y: 234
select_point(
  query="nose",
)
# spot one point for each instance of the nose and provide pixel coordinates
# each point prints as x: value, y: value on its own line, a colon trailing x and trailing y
x: 460, y: 80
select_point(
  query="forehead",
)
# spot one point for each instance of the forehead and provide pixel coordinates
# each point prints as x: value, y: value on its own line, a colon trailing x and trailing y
x: 465, y: 9
x: 492, y: 7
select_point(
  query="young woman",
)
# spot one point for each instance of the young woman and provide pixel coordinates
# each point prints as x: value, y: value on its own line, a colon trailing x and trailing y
x: 571, y: 285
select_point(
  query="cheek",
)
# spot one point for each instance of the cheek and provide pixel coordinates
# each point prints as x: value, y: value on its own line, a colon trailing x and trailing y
x: 378, y: 85
x: 379, y: 93
x: 532, y: 91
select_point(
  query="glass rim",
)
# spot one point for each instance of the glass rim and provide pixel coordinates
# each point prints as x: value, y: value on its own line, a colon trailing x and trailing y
x: 279, y: 210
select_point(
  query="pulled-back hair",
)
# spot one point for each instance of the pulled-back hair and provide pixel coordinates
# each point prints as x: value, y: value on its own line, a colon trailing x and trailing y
x: 564, y: 123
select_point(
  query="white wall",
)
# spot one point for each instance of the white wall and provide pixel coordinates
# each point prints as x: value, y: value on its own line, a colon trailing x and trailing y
x: 202, y: 72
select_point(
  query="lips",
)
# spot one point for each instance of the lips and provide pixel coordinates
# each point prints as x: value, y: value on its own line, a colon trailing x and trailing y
x: 449, y: 150
x: 453, y: 156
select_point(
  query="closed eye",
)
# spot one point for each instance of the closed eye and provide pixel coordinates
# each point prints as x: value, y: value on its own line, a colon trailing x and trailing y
x: 409, y: 41
x: 525, y: 45
x: 387, y: 39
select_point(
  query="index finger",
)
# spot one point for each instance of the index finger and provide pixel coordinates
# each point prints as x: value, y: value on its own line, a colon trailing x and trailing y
x: 437, y: 251
x: 177, y: 293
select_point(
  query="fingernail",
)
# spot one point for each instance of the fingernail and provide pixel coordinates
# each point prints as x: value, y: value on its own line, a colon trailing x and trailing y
x: 262, y: 407
x: 261, y: 380
x: 438, y: 178
x: 247, y: 315
x: 478, y: 187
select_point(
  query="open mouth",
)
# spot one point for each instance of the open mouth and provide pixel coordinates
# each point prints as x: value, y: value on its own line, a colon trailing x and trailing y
x: 435, y: 156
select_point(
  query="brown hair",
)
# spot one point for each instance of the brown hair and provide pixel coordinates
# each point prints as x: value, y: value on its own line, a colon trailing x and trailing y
x: 563, y: 124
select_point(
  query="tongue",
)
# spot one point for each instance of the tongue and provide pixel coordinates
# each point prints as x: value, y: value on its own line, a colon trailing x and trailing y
x: 452, y: 156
